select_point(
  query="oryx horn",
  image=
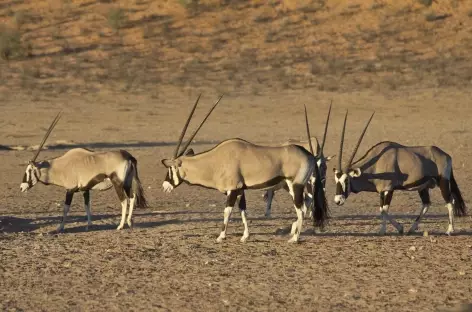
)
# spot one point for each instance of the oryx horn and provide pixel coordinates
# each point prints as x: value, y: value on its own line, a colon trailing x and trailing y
x: 349, y: 163
x: 326, y: 129
x: 48, y: 132
x: 176, y: 152
x: 308, y: 131
x: 340, y: 157
x: 196, y: 131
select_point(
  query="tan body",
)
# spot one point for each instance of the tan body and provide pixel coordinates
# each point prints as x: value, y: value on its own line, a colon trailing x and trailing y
x: 389, y: 166
x: 238, y: 164
x: 235, y: 165
x: 83, y: 170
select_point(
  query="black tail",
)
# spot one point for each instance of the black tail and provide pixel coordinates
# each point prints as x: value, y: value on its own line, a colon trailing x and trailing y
x: 137, y: 187
x: 319, y: 204
x: 460, y: 209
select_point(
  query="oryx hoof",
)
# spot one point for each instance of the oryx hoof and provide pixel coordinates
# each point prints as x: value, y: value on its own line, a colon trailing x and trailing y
x: 449, y: 233
x: 244, y: 239
x: 59, y: 230
x: 220, y: 238
x: 130, y: 224
x: 120, y: 227
x: 412, y: 230
x: 294, y: 239
x: 382, y: 232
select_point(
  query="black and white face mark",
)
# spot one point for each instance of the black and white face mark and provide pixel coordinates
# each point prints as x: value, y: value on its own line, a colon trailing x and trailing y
x: 343, y: 181
x: 172, y: 179
x: 30, y: 178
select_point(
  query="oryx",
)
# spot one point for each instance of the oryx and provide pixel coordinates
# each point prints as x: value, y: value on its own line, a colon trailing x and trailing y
x: 389, y: 166
x: 321, y: 161
x: 235, y: 165
x: 83, y: 170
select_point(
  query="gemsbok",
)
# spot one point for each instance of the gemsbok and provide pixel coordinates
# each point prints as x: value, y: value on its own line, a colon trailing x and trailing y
x: 388, y: 167
x: 236, y: 165
x: 321, y: 161
x: 82, y: 170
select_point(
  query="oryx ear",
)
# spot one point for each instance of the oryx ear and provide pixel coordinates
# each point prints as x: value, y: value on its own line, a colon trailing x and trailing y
x: 329, y: 157
x: 335, y: 170
x: 168, y: 162
x: 190, y: 152
x: 355, y: 173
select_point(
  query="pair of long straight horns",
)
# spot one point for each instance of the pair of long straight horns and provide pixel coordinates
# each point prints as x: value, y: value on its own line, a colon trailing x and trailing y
x: 324, y: 135
x: 349, y: 163
x: 48, y: 132
x: 182, y: 134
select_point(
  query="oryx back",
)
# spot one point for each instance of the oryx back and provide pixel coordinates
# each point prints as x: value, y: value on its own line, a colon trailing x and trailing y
x: 83, y: 169
x: 236, y: 164
x: 392, y: 166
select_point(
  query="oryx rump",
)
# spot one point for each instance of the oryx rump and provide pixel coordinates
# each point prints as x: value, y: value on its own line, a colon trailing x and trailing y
x: 236, y: 165
x: 389, y: 166
x: 83, y: 170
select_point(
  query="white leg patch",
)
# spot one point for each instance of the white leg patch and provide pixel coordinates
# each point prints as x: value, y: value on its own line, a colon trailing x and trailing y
x: 227, y: 214
x: 385, y: 215
x: 60, y: 228
x: 89, y: 216
x: 450, y: 228
x: 124, y: 205
x: 414, y: 227
x: 132, y: 200
x: 246, y: 229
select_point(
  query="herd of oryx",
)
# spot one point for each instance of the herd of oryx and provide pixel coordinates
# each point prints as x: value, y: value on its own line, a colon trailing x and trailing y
x: 236, y: 165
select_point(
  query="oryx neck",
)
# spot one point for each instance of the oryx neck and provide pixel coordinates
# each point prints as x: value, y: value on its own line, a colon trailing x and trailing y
x: 197, y: 170
x: 47, y: 172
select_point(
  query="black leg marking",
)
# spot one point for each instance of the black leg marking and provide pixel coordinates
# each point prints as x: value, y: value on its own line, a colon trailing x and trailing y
x: 69, y: 196
x: 87, y: 198
x: 445, y: 187
x: 388, y: 198
x: 231, y: 198
x: 424, y: 195
x: 298, y: 190
x: 382, y: 199
x: 242, y: 201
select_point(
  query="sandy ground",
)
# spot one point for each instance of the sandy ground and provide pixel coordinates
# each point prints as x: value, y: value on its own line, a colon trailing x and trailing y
x: 170, y: 260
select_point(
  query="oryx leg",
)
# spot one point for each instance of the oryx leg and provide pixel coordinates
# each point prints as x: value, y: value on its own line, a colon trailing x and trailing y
x: 132, y: 202
x: 296, y: 190
x: 230, y: 201
x: 309, y: 198
x: 268, y: 197
x: 385, y: 200
x: 445, y: 187
x: 67, y: 203
x: 424, y: 195
x: 124, y: 201
x: 87, y: 209
x: 242, y: 208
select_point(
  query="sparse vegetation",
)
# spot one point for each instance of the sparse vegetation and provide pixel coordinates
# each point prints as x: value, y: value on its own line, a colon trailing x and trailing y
x: 20, y: 18
x: 116, y: 18
x: 426, y: 2
x: 10, y: 43
x: 431, y: 17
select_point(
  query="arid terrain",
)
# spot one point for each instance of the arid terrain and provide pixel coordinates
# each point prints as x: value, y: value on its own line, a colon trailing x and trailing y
x: 125, y: 74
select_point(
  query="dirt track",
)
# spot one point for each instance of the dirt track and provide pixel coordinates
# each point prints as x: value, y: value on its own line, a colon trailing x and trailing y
x: 170, y: 261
